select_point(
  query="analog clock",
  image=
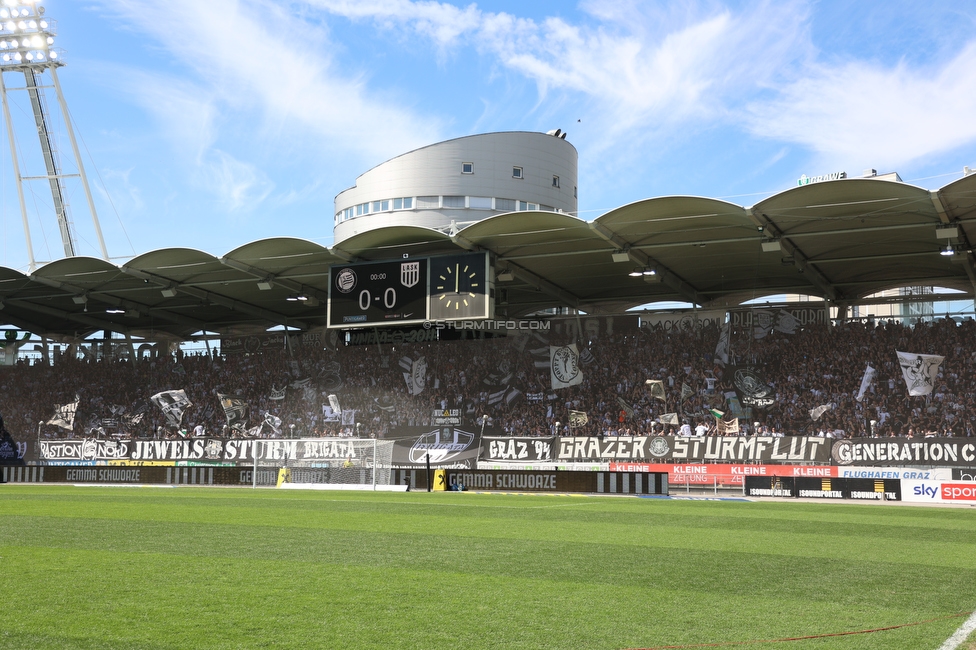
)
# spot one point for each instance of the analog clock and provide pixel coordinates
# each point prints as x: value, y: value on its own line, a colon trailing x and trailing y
x: 459, y: 287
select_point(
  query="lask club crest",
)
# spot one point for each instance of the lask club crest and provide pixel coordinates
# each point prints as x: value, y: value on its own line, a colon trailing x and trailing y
x: 409, y: 273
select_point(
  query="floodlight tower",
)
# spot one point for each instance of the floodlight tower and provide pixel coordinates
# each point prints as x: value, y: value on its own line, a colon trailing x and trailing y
x: 27, y: 46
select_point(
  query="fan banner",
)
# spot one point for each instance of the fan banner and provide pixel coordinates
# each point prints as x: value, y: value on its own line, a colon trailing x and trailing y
x: 920, y: 371
x: 927, y: 452
x: 447, y: 447
x: 506, y: 449
x: 765, y: 449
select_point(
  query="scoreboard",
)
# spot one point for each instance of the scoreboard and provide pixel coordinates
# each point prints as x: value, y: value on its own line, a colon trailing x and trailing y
x: 410, y: 291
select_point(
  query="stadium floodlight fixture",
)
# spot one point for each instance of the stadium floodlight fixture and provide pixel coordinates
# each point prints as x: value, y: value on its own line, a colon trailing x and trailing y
x: 636, y: 273
x: 947, y: 251
x: 114, y: 311
x: 649, y: 271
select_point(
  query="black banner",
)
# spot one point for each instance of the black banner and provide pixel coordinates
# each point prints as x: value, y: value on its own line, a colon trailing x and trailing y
x: 506, y: 449
x: 553, y: 481
x: 200, y: 450
x: 764, y: 449
x: 252, y: 344
x: 448, y: 447
x: 895, y: 452
x: 823, y: 488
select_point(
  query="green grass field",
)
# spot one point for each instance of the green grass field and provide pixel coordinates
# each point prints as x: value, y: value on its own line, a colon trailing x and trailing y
x: 236, y: 568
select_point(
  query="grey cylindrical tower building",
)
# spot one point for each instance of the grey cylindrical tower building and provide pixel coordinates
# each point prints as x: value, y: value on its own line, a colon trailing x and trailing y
x: 454, y: 183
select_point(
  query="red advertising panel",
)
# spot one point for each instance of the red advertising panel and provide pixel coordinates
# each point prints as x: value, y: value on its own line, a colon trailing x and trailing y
x: 724, y: 474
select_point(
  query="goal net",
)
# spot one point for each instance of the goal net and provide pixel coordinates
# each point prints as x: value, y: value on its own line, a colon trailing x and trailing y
x: 364, y: 464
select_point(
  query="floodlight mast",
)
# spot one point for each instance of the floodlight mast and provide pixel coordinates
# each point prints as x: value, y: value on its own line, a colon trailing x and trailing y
x: 26, y: 45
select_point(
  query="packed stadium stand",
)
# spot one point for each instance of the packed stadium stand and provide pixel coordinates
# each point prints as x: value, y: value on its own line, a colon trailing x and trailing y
x: 508, y: 379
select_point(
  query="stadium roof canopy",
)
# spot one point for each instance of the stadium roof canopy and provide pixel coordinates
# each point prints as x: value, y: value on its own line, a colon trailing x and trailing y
x: 841, y: 240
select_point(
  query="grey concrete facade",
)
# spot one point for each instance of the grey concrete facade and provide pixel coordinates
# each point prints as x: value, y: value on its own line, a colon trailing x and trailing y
x: 457, y: 182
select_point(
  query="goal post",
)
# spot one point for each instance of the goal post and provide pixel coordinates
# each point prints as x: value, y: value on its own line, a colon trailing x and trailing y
x: 364, y: 464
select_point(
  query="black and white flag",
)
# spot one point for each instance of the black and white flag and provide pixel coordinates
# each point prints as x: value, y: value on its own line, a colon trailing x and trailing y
x: 235, y: 409
x: 578, y: 419
x: 173, y: 404
x: 627, y: 408
x: 866, y: 381
x: 272, y: 421
x: 64, y: 415
x: 656, y: 388
x: 277, y: 393
x: 919, y: 371
x: 415, y: 374
x: 564, y: 366
x: 686, y: 391
x: 752, y: 388
x: 334, y: 403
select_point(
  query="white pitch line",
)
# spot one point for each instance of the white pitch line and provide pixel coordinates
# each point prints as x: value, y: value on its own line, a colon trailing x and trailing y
x: 964, y: 631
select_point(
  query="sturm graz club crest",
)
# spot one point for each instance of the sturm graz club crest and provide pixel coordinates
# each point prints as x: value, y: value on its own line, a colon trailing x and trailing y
x: 441, y: 444
x: 659, y: 447
x: 753, y: 390
x: 346, y: 280
x: 409, y: 273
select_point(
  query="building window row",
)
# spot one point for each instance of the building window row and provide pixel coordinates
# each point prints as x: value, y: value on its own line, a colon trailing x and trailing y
x: 517, y: 172
x: 440, y: 202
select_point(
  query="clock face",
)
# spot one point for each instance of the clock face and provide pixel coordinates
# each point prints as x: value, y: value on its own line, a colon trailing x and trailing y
x: 458, y: 287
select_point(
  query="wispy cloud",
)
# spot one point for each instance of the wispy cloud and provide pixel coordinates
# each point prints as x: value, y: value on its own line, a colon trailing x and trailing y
x: 643, y: 72
x: 635, y: 71
x: 256, y: 55
x: 867, y: 113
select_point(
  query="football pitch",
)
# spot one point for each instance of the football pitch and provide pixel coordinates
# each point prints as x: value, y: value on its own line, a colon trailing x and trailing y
x: 101, y: 567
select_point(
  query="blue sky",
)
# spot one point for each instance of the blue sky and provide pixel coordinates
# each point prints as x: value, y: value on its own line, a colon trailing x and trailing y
x: 212, y: 123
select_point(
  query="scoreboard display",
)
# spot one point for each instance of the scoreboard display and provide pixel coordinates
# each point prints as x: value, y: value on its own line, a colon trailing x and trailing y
x: 372, y: 293
x: 410, y: 291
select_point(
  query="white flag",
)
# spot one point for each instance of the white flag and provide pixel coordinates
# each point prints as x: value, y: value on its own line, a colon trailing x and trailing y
x: 64, y: 415
x: 816, y: 412
x: 919, y: 371
x: 334, y: 403
x: 564, y: 366
x: 668, y: 418
x: 866, y: 381
x: 722, y: 347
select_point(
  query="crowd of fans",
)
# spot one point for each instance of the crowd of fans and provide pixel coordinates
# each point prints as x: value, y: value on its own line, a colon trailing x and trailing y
x: 503, y: 386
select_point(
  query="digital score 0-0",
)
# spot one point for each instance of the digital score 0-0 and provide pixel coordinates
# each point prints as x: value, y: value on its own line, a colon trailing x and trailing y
x: 410, y: 291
